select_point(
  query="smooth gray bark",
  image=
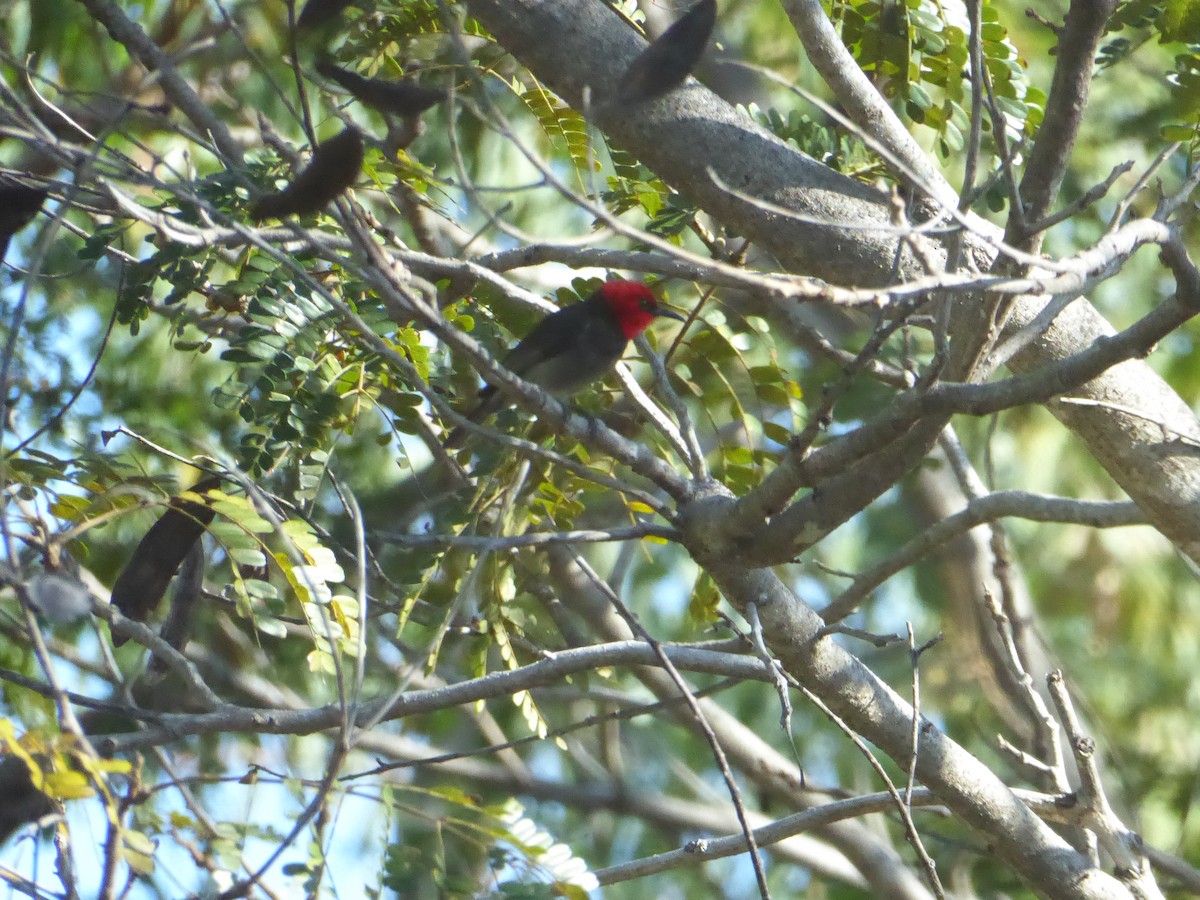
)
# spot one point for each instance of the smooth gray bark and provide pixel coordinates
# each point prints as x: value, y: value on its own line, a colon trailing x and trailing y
x: 834, y: 236
x: 578, y: 48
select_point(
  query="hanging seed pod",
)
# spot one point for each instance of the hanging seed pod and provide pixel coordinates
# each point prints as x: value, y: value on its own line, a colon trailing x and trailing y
x: 334, y: 167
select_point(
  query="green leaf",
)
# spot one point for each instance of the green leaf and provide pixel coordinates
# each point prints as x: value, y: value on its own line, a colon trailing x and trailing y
x: 565, y: 127
x: 1182, y: 133
x: 920, y: 96
x: 776, y: 432
x: 246, y: 556
x: 138, y: 851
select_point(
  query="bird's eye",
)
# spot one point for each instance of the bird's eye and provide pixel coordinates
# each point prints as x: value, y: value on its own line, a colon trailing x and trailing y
x: 649, y: 305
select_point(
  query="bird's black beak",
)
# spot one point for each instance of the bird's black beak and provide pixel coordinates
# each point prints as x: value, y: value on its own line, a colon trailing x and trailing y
x: 663, y: 312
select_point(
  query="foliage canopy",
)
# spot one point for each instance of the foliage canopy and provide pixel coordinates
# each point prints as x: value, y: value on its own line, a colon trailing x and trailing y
x: 404, y: 667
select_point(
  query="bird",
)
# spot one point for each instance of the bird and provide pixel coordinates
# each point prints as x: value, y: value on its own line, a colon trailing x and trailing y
x: 576, y: 345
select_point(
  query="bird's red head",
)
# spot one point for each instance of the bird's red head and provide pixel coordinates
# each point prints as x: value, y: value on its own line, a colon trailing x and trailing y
x: 633, y: 306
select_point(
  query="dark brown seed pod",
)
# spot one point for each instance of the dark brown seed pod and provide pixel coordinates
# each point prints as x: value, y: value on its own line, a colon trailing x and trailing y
x: 143, y: 582
x: 334, y: 166
x: 318, y: 12
x: 19, y: 205
x: 177, y: 627
x: 401, y: 98
x: 665, y: 64
x: 23, y: 803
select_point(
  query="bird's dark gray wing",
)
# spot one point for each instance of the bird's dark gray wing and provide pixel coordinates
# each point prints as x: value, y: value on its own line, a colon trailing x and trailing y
x: 556, y: 330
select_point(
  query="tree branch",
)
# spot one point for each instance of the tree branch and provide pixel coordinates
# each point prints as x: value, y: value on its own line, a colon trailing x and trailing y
x: 876, y: 712
x: 1078, y: 40
x: 130, y: 35
x: 496, y: 684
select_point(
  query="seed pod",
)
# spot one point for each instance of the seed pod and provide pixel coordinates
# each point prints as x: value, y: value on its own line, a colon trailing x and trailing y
x: 23, y: 803
x: 143, y: 582
x: 334, y: 166
x: 665, y: 64
x: 401, y: 98
x: 19, y: 204
x: 318, y: 12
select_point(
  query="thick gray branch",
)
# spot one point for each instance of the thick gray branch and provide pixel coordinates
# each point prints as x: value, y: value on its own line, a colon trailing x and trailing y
x: 496, y: 684
x: 774, y: 775
x: 865, y: 106
x: 133, y: 38
x: 971, y: 790
x: 690, y: 130
x: 1065, y: 106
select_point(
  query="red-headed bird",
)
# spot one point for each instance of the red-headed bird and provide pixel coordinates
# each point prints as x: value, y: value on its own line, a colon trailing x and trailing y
x: 576, y: 345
